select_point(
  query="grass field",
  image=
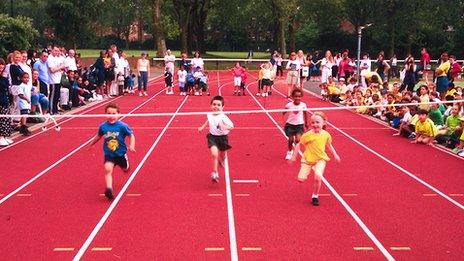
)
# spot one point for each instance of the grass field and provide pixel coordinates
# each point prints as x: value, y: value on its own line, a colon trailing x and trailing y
x: 87, y: 53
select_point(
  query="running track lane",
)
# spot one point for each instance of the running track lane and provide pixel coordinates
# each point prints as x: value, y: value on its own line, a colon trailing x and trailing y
x: 64, y: 206
x: 45, y: 149
x: 403, y: 213
x: 179, y: 212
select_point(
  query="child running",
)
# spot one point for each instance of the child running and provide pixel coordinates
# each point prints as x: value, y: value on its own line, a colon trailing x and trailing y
x: 114, y: 147
x: 218, y: 141
x: 297, y: 121
x: 315, y: 142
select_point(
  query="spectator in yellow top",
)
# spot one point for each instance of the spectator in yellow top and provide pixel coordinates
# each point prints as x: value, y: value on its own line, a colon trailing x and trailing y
x: 442, y: 78
x: 425, y: 129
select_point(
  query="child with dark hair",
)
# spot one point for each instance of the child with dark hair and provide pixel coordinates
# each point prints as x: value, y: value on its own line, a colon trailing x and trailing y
x: 425, y: 129
x: 297, y: 121
x: 217, y: 138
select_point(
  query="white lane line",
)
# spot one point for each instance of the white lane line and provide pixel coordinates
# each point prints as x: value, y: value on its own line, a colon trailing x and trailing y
x: 397, y: 166
x: 114, y: 203
x: 212, y: 249
x: 63, y: 249
x: 230, y: 214
x: 251, y: 249
x: 400, y: 248
x: 93, y: 107
x: 64, y: 157
x: 246, y: 181
x: 353, y: 214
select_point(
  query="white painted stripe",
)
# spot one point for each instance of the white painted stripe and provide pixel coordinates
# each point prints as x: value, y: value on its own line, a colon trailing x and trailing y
x: 43, y: 172
x: 400, y: 248
x: 23, y: 195
x: 246, y: 181
x: 363, y: 248
x: 453, y: 195
x: 108, y: 212
x: 430, y: 195
x: 101, y: 249
x: 242, y: 195
x: 230, y: 213
x: 251, y: 249
x: 211, y: 249
x: 93, y: 107
x: 134, y: 195
x: 215, y: 195
x: 358, y: 220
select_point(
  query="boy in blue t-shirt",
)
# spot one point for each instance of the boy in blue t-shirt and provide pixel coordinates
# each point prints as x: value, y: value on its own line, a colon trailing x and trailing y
x: 114, y: 146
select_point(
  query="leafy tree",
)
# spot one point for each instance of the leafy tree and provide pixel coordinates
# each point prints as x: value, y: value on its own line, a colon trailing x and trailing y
x: 16, y: 34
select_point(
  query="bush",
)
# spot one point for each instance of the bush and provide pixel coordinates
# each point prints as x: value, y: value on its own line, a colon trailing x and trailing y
x: 16, y: 33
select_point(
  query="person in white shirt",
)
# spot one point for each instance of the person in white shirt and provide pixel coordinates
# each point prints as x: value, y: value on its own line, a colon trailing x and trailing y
x: 217, y: 138
x: 326, y: 64
x: 56, y: 66
x: 169, y: 60
x: 365, y: 67
x: 297, y: 121
x: 293, y: 67
x: 197, y: 61
x: 70, y: 61
x: 182, y: 78
x: 24, y: 101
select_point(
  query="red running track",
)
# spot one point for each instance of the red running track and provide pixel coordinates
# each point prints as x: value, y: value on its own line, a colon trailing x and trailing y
x: 171, y: 210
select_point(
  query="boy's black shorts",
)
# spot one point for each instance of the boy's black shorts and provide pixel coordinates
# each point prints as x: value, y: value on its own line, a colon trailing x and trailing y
x: 291, y: 130
x: 121, y: 161
x: 221, y: 142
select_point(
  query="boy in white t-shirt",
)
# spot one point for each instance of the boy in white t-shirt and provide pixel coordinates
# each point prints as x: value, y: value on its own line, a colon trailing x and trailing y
x: 218, y: 140
x: 24, y: 102
x: 182, y: 78
x: 297, y: 121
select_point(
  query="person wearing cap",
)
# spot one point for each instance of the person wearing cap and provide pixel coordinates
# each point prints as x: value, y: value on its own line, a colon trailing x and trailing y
x: 143, y: 69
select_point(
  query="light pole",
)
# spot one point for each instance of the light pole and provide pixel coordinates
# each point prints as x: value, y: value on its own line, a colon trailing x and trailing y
x: 358, y: 71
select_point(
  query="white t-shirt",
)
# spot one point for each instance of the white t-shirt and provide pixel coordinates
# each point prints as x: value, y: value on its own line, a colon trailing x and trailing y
x: 53, y: 62
x: 71, y: 63
x: 182, y: 75
x: 406, y: 117
x: 327, y: 64
x: 295, y: 117
x: 293, y: 65
x: 215, y: 122
x: 197, y: 74
x: 24, y: 89
x: 365, y: 64
x: 197, y: 62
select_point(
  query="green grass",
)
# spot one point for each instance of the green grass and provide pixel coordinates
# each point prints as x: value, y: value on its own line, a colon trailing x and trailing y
x: 86, y: 53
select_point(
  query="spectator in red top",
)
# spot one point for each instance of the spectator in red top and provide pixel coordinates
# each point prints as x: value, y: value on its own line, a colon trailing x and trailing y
x: 455, y: 68
x: 424, y: 65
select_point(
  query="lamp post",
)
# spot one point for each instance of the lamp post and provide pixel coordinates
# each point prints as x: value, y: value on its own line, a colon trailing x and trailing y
x: 360, y: 28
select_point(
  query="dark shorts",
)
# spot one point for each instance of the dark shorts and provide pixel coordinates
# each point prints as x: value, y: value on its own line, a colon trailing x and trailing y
x: 266, y: 82
x: 291, y: 130
x: 25, y: 112
x: 121, y: 161
x: 442, y: 84
x: 221, y: 142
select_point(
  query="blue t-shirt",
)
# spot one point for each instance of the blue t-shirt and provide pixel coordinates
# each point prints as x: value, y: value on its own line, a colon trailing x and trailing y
x: 114, y: 134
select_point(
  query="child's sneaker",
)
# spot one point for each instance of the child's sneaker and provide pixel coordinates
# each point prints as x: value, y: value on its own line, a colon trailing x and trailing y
x: 412, y: 136
x: 109, y: 194
x: 315, y: 202
x: 289, y: 155
x: 215, y: 177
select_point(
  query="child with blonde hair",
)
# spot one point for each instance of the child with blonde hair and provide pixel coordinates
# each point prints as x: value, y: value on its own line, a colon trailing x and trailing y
x: 315, y: 142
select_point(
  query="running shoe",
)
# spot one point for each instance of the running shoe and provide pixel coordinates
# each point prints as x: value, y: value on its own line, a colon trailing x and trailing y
x: 215, y: 177
x: 109, y: 194
x: 289, y: 155
x: 315, y: 202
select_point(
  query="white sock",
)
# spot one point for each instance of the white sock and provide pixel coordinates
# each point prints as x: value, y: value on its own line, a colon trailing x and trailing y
x: 315, y: 196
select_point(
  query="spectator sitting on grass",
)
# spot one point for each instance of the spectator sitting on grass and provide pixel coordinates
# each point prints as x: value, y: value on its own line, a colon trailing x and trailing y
x: 425, y: 129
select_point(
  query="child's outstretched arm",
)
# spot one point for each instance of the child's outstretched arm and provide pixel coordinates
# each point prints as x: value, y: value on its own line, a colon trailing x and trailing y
x: 94, y: 140
x: 132, y: 143
x: 334, y: 153
x: 202, y: 127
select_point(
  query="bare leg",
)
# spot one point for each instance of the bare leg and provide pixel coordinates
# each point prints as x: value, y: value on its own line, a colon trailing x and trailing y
x: 109, y: 166
x: 214, y: 158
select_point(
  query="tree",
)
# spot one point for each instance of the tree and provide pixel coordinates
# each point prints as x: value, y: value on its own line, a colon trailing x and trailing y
x: 16, y: 34
x: 158, y: 32
x: 182, y: 11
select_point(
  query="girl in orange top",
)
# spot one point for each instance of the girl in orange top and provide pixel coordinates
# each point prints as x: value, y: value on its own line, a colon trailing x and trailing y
x: 315, y: 142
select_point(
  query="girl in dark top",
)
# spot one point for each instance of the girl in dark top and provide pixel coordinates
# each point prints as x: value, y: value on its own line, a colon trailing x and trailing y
x: 100, y: 71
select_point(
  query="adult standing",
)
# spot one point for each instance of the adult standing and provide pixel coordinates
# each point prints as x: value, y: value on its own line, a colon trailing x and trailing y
x: 56, y: 66
x: 109, y: 63
x: 100, y: 72
x: 382, y: 67
x: 25, y: 67
x: 304, y: 67
x: 70, y: 61
x: 442, y: 77
x: 197, y: 61
x: 409, y: 80
x: 143, y: 69
x: 327, y: 63
x: 5, y: 123
x: 42, y: 68
x: 15, y: 77
x: 169, y: 60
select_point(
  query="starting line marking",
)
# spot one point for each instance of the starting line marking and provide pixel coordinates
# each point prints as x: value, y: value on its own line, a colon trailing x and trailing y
x: 430, y: 195
x: 63, y: 249
x: 134, y: 195
x: 242, y: 195
x: 214, y: 249
x: 324, y: 195
x: 363, y: 248
x: 101, y: 248
x: 215, y: 195
x: 400, y: 248
x: 24, y: 195
x: 246, y: 181
x: 251, y: 249
x: 349, y: 195
x: 453, y: 195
